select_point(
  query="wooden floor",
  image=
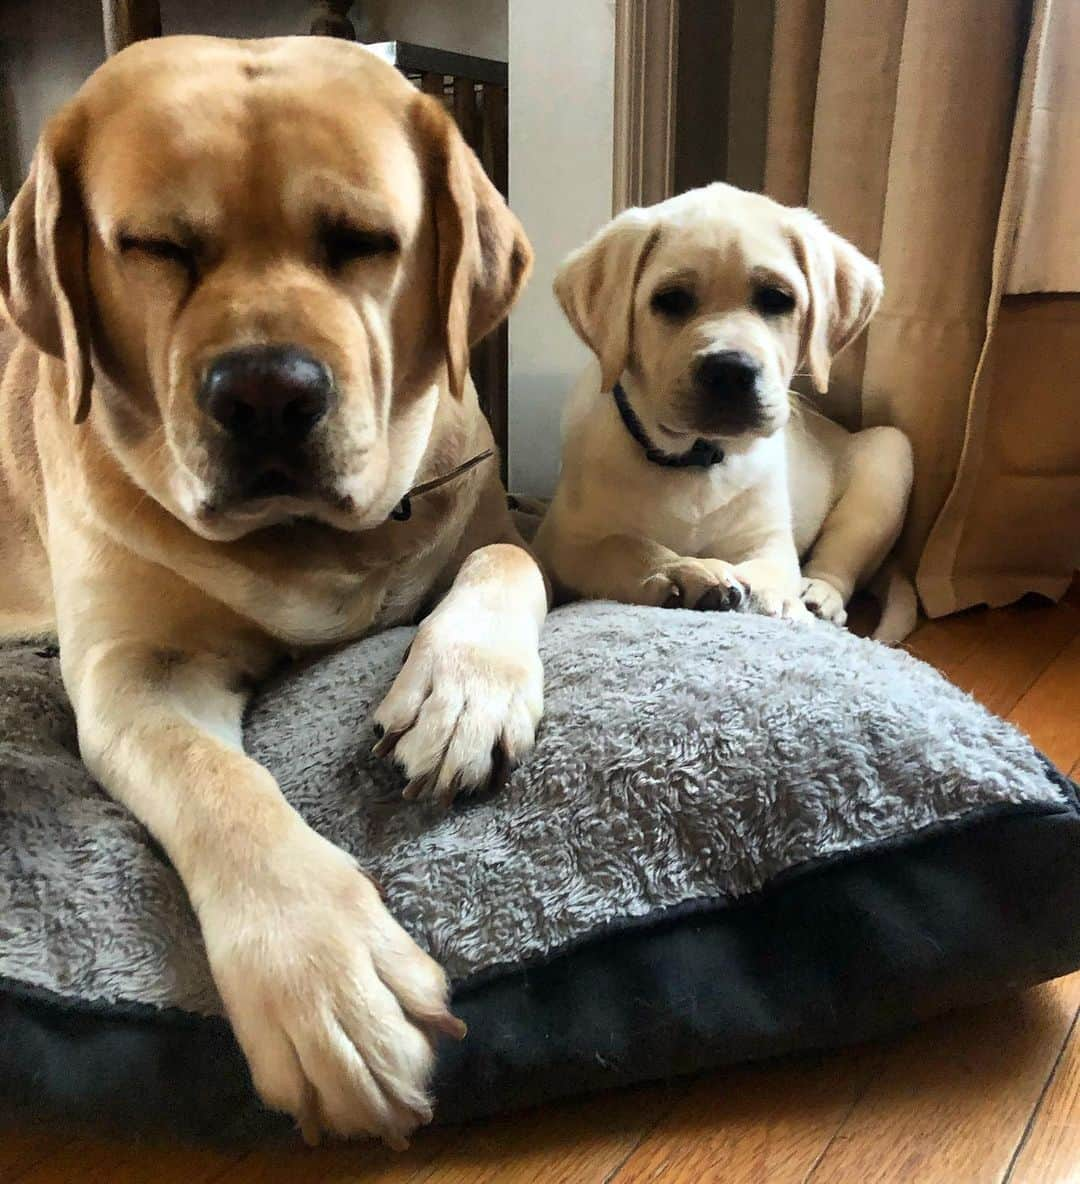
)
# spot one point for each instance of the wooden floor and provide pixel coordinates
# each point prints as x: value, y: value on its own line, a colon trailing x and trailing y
x: 992, y: 1094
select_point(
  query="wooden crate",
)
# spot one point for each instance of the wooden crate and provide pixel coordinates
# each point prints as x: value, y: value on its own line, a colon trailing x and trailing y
x: 474, y: 91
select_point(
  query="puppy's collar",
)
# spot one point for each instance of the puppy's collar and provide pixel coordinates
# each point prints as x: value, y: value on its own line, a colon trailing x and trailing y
x: 700, y: 455
x: 402, y: 512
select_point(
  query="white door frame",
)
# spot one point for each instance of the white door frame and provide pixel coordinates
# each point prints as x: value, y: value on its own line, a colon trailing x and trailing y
x: 646, y: 56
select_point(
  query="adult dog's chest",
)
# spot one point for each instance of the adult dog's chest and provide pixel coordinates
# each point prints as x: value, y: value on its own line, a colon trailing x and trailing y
x: 333, y: 597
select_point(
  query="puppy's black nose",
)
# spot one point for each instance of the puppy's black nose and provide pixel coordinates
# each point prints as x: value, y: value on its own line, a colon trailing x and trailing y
x: 726, y: 372
x: 267, y: 395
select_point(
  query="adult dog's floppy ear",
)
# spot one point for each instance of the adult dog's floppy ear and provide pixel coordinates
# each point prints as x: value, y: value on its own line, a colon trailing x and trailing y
x: 844, y: 291
x: 43, y: 277
x: 484, y: 257
x: 596, y: 287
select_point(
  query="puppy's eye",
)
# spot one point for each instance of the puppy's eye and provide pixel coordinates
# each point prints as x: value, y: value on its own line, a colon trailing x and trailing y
x: 773, y: 302
x: 160, y: 248
x: 343, y: 244
x: 674, y: 303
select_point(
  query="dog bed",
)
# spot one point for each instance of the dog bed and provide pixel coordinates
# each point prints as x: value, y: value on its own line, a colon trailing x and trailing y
x: 736, y: 838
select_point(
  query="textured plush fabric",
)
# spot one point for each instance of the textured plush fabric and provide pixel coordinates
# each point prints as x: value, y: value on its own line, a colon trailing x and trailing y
x: 683, y: 757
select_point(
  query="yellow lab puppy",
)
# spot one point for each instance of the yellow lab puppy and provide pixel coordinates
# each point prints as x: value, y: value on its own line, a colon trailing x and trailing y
x: 247, y: 276
x: 686, y: 479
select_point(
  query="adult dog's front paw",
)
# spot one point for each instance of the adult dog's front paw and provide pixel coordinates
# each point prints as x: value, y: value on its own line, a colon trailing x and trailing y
x: 334, y: 1005
x: 464, y: 709
x: 708, y: 585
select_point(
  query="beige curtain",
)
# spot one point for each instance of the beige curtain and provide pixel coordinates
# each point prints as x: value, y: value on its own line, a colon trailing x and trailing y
x: 907, y: 125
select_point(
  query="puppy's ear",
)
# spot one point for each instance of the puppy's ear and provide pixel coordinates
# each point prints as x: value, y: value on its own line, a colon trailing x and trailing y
x: 484, y: 257
x: 43, y: 276
x: 844, y: 288
x: 596, y: 287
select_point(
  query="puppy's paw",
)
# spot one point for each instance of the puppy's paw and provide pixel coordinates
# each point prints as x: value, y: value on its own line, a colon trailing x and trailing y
x: 708, y: 585
x: 463, y: 710
x: 334, y: 1005
x: 824, y: 601
x: 778, y: 602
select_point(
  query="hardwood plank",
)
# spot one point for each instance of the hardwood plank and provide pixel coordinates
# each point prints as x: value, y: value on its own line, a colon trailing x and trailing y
x: 109, y: 1161
x: 947, y: 642
x: 1049, y: 710
x: 951, y: 1101
x: 21, y: 1150
x: 366, y: 1162
x: 1015, y: 647
x: 1050, y: 1153
x: 763, y: 1125
x: 582, y: 1141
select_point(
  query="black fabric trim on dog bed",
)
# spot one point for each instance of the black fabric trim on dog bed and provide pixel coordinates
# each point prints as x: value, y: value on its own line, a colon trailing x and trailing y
x: 839, y: 952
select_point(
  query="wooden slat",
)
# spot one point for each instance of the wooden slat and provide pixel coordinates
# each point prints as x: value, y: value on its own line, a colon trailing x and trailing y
x: 578, y: 1142
x: 951, y: 1102
x: 1050, y: 1153
x: 22, y: 1150
x: 433, y: 84
x: 467, y: 112
x: 947, y: 642
x: 107, y: 1161
x: 128, y: 21
x: 998, y: 656
x: 490, y: 360
x: 424, y: 59
x: 367, y: 1161
x: 495, y: 141
x: 1050, y: 711
x: 764, y: 1125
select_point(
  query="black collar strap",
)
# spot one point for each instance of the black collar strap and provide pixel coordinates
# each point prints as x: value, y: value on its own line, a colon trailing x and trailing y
x: 701, y: 454
x: 402, y: 512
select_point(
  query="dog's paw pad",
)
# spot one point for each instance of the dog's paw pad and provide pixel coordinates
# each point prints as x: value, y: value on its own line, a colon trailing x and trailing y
x: 824, y: 601
x: 723, y: 598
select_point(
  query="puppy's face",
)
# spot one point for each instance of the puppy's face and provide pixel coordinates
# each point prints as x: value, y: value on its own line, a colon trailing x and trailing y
x: 709, y: 302
x: 283, y: 250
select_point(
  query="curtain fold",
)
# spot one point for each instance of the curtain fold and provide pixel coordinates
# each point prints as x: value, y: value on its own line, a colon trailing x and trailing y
x: 904, y: 124
x: 1046, y: 254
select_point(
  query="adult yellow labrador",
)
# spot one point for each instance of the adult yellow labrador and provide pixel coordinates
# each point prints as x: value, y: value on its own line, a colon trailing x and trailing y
x: 247, y: 276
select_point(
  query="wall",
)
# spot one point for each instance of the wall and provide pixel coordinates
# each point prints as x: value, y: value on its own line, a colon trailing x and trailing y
x: 561, y: 136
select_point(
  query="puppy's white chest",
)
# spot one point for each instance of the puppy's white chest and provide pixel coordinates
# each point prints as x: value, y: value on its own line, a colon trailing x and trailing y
x: 690, y: 510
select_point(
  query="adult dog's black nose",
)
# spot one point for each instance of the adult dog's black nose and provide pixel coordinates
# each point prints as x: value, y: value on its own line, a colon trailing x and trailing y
x: 267, y: 395
x: 726, y: 372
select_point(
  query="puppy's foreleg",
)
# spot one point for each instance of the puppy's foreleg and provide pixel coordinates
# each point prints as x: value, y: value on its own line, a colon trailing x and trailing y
x: 465, y: 706
x: 761, y: 544
x: 863, y: 526
x: 771, y: 570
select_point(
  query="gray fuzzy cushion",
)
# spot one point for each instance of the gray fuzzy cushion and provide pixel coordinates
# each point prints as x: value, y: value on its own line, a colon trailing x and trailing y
x: 682, y: 757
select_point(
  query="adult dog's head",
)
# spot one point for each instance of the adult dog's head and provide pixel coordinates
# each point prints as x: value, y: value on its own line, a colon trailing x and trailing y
x: 257, y: 259
x: 709, y: 302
